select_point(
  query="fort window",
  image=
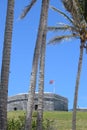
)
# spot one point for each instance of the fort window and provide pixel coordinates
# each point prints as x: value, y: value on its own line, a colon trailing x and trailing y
x: 36, y: 106
x: 15, y: 108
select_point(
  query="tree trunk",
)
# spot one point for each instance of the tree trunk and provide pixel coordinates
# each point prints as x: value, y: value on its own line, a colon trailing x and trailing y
x: 28, y: 123
x: 6, y: 65
x: 41, y: 87
x: 77, y: 87
x: 41, y: 74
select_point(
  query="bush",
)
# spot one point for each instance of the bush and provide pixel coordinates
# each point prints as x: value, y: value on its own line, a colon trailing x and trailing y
x: 18, y: 123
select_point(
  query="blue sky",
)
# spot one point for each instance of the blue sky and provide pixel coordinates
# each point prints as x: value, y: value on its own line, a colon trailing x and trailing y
x: 61, y: 59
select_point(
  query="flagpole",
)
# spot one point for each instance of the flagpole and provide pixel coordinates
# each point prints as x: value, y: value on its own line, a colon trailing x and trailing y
x: 52, y: 82
x: 54, y: 88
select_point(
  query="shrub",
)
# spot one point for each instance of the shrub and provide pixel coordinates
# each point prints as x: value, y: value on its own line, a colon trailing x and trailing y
x: 18, y: 123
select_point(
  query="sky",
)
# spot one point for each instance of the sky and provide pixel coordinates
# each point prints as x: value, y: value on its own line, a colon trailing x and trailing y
x: 61, y: 62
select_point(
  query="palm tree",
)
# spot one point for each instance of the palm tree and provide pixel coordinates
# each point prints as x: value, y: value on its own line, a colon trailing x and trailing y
x: 41, y: 73
x: 42, y: 26
x: 41, y: 84
x: 6, y: 65
x: 77, y: 29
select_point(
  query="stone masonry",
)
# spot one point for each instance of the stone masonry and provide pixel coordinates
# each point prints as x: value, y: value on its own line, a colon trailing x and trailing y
x: 52, y: 102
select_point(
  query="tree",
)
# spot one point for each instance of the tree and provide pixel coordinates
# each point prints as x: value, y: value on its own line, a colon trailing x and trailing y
x: 6, y: 65
x: 77, y: 29
x: 41, y: 73
x: 42, y: 26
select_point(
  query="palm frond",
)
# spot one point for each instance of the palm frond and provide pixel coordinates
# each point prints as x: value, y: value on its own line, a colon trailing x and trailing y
x: 74, y: 8
x: 62, y: 28
x: 62, y: 13
x: 27, y: 8
x: 59, y: 39
x: 83, y: 5
x: 68, y: 5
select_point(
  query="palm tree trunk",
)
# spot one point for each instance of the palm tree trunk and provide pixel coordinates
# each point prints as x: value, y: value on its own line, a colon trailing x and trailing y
x: 41, y: 73
x: 77, y: 87
x: 6, y: 65
x: 41, y: 87
x: 34, y: 68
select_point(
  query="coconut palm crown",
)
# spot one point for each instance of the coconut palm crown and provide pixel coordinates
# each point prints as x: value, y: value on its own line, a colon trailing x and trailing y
x: 77, y: 19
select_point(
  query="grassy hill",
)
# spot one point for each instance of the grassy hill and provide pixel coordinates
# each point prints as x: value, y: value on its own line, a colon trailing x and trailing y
x: 60, y: 120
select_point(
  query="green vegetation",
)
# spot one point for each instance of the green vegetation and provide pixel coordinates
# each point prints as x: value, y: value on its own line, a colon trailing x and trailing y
x: 54, y: 120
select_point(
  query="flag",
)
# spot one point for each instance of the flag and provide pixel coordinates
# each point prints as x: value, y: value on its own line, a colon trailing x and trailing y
x: 51, y: 81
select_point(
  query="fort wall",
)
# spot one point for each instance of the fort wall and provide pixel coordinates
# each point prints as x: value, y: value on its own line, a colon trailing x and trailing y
x: 52, y: 102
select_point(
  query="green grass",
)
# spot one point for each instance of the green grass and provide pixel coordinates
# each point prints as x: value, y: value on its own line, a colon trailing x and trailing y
x: 15, y: 114
x: 62, y: 120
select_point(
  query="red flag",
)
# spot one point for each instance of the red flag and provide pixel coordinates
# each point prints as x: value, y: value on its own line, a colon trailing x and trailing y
x: 51, y: 81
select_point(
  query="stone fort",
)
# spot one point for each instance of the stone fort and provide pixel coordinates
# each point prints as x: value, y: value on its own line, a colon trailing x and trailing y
x: 52, y: 102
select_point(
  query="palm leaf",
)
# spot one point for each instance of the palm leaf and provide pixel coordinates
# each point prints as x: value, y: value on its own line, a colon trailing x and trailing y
x: 62, y: 13
x: 62, y: 28
x: 83, y: 4
x: 74, y: 8
x: 61, y: 38
x: 68, y: 5
x: 27, y: 8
